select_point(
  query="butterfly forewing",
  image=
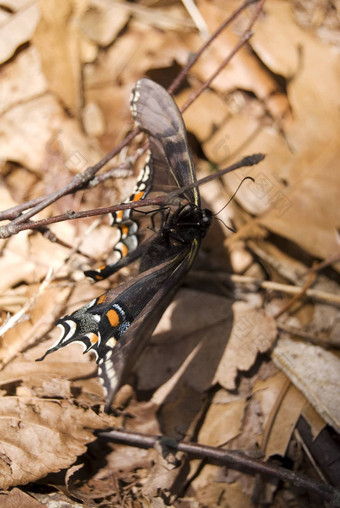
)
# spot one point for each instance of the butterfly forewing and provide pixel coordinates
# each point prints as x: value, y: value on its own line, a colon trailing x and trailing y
x: 157, y: 114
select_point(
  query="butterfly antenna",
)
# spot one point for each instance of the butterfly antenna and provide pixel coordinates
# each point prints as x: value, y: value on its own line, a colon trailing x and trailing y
x: 232, y: 197
x: 232, y: 230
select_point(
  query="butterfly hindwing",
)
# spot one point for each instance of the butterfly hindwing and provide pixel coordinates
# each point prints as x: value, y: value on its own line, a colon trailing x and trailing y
x: 127, y: 223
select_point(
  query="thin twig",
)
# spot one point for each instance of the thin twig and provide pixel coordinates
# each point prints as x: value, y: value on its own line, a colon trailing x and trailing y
x: 175, y: 84
x: 335, y: 258
x: 12, y: 228
x: 197, y: 17
x: 247, y: 34
x: 231, y: 458
x: 78, y: 182
x: 297, y: 297
x: 13, y: 320
x: 272, y: 286
x: 308, y: 337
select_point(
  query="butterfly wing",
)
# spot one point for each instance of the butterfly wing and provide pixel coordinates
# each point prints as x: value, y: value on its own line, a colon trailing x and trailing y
x: 168, y: 167
x: 157, y: 114
x: 117, y: 325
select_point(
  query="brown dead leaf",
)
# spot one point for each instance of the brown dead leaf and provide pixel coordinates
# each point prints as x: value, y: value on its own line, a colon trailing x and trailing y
x: 42, y: 306
x: 285, y: 409
x: 16, y: 253
x: 212, y: 492
x: 314, y: 420
x: 48, y: 378
x: 17, y: 497
x: 311, y: 203
x: 312, y: 206
x: 222, y: 422
x: 191, y: 337
x: 244, y: 132
x: 253, y: 332
x: 204, y: 114
x: 127, y: 466
x: 270, y: 99
x: 57, y: 40
x: 41, y: 436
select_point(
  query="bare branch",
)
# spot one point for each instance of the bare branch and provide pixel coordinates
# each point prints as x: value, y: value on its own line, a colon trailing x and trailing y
x: 13, y: 228
x: 233, y: 459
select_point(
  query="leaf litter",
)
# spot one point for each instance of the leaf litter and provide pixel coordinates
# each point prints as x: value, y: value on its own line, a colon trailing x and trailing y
x: 219, y: 370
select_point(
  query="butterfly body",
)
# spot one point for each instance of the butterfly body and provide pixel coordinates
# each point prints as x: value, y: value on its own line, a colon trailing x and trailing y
x: 117, y: 324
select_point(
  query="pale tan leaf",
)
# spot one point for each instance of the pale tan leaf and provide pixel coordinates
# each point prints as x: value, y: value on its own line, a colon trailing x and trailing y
x: 22, y: 79
x: 16, y: 253
x: 103, y: 20
x: 57, y: 41
x: 315, y: 372
x: 312, y: 207
x: 48, y: 378
x: 35, y: 131
x: 34, y: 319
x: 253, y: 332
x: 18, y: 29
x: 244, y: 71
x: 316, y: 423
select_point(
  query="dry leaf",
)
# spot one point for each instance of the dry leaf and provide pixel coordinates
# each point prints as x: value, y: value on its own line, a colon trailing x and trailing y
x: 284, y: 411
x: 41, y: 306
x: 194, y: 329
x: 315, y: 372
x: 64, y: 98
x: 316, y: 423
x: 102, y: 21
x: 34, y: 132
x: 222, y: 423
x: 244, y: 71
x: 38, y: 437
x: 22, y: 79
x: 18, y: 29
x: 57, y: 40
x: 253, y: 332
x: 17, y: 497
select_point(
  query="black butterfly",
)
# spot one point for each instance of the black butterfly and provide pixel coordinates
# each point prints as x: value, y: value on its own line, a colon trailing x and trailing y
x: 117, y: 324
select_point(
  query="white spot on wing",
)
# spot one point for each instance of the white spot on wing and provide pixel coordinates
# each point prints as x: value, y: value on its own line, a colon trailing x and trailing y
x: 73, y: 326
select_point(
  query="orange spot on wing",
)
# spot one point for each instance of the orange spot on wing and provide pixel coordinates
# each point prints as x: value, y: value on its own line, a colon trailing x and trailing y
x: 124, y: 250
x: 113, y: 317
x: 124, y: 230
x: 93, y: 338
x: 101, y: 299
x: 137, y: 196
x: 119, y: 215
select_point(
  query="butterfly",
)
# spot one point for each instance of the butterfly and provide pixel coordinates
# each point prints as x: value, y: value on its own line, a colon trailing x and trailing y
x: 117, y: 325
